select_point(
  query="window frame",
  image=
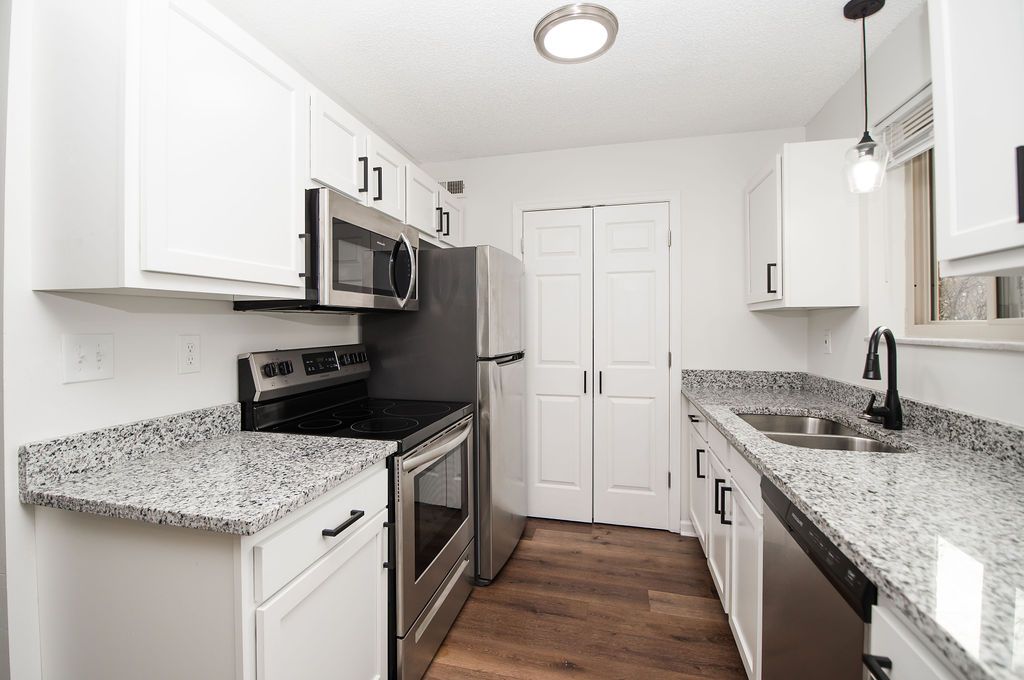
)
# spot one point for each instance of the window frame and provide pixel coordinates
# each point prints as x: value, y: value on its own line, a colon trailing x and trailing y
x: 923, y: 266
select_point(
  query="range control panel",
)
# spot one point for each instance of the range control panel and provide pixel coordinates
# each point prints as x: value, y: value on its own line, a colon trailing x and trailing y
x: 278, y: 373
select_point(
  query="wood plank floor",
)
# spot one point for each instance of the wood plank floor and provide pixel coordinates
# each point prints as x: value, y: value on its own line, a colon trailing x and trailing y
x: 593, y: 601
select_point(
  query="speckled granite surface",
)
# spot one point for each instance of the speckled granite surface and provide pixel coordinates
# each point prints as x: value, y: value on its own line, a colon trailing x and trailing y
x: 192, y: 470
x: 938, y: 527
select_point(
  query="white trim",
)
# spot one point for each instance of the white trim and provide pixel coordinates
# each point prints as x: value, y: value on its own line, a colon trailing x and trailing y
x: 675, y: 296
x: 686, y: 529
x: 986, y: 345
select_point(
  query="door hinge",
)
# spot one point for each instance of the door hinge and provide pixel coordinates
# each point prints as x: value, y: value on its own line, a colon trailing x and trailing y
x: 670, y: 239
x: 522, y: 245
x: 670, y: 480
x: 670, y: 359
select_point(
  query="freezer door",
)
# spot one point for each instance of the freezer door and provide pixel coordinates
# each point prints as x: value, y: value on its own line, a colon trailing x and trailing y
x: 501, y: 462
x: 499, y: 302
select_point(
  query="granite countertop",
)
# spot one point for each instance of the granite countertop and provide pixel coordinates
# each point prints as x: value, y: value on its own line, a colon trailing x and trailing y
x: 937, y: 526
x: 193, y: 470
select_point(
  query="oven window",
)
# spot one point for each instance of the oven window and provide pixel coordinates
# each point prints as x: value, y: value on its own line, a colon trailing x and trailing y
x: 361, y: 260
x: 442, y: 505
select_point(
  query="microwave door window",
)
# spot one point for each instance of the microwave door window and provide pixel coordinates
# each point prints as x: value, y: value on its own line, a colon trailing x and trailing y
x: 360, y: 260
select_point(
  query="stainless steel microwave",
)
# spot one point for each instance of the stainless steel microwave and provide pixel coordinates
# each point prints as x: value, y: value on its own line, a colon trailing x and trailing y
x: 357, y: 259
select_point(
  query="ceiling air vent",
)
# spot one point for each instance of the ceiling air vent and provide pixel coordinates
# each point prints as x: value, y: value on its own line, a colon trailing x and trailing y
x: 455, y: 187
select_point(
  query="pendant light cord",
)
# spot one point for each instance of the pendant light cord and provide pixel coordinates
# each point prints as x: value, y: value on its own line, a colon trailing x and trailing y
x: 864, y: 48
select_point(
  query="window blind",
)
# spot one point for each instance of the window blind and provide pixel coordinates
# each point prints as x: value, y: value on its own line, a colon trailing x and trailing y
x: 908, y: 130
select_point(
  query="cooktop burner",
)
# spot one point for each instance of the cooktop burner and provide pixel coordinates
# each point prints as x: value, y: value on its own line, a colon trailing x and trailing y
x: 353, y: 413
x: 384, y: 425
x: 423, y: 408
x: 320, y: 424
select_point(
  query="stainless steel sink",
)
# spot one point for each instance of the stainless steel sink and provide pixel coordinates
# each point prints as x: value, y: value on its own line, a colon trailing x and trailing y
x: 814, y: 433
x: 797, y: 424
x: 832, y: 442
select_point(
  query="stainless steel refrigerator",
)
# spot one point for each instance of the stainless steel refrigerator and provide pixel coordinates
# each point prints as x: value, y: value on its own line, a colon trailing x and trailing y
x: 465, y: 343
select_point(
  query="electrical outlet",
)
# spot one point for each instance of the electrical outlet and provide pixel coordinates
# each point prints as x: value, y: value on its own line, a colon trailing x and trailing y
x: 828, y: 342
x: 87, y: 357
x: 189, y: 354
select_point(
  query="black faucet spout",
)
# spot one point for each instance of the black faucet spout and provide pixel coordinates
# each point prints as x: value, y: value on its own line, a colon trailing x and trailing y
x: 891, y: 414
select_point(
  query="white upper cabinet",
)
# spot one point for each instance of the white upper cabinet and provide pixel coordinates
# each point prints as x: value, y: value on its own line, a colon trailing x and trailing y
x: 387, y: 177
x: 977, y: 68
x: 452, y: 211
x: 803, y: 231
x: 337, y: 149
x: 178, y: 148
x: 422, y: 209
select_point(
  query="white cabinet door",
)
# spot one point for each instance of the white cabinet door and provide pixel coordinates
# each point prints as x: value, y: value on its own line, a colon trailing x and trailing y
x: 337, y: 149
x: 911, y: 659
x: 559, y: 358
x: 718, y: 540
x: 331, y: 621
x: 452, y: 216
x: 631, y: 344
x: 224, y: 146
x: 977, y: 63
x: 698, y: 486
x: 421, y: 207
x: 745, y: 579
x: 764, y: 236
x: 387, y: 177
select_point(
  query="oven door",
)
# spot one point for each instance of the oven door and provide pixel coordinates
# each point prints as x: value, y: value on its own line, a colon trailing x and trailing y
x: 433, y: 501
x: 369, y: 260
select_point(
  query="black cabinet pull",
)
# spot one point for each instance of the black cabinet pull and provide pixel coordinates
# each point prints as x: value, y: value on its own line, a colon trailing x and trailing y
x: 379, y: 171
x: 694, y: 419
x: 584, y: 382
x: 718, y: 482
x: 353, y: 518
x: 769, y: 285
x: 878, y: 665
x: 366, y: 174
x: 1020, y: 184
x: 721, y: 515
x: 447, y: 223
x: 600, y: 382
x: 440, y: 219
x: 697, y: 456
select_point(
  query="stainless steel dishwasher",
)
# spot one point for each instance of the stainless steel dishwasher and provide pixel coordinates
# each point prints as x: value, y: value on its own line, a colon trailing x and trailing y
x: 816, y: 603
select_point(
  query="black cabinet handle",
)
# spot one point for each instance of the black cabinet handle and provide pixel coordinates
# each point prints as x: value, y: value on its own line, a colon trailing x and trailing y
x: 366, y: 174
x: 379, y: 171
x: 447, y: 223
x: 694, y: 419
x: 1020, y: 184
x: 721, y: 515
x: 718, y: 482
x: 768, y: 287
x: 878, y: 665
x: 440, y: 219
x: 600, y: 382
x: 584, y: 382
x: 353, y: 518
x: 697, y: 456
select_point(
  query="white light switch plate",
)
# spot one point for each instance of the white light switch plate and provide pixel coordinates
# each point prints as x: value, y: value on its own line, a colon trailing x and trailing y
x: 88, y: 357
x: 828, y: 342
x: 189, y: 354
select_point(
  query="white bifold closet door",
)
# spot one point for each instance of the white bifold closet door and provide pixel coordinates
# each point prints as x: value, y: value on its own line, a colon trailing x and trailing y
x: 559, y: 260
x: 597, y: 363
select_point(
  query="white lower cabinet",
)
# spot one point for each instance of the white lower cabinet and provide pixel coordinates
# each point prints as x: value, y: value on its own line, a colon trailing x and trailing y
x: 718, y: 548
x: 698, y: 486
x: 302, y: 632
x: 286, y: 602
x: 745, y: 579
x: 893, y: 643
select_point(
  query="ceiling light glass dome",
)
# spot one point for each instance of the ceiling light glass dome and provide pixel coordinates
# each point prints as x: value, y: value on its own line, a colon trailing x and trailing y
x: 576, y: 33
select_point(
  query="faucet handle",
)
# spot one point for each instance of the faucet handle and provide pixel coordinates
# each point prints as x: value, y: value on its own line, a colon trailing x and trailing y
x: 872, y: 413
x: 871, y: 405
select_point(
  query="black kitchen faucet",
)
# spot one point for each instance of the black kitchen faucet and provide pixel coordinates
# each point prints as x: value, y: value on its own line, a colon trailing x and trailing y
x: 891, y: 414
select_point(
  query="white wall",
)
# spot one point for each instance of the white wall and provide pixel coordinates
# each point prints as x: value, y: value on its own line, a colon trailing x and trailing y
x: 983, y: 382
x: 711, y: 175
x: 36, y: 405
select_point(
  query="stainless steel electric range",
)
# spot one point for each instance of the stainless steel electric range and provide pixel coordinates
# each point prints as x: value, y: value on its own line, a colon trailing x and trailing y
x: 322, y: 391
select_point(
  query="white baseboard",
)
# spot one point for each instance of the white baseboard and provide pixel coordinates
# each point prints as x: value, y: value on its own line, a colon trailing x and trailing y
x: 686, y: 528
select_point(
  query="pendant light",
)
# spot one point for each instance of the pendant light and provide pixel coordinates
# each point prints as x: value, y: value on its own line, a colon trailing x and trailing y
x: 866, y: 163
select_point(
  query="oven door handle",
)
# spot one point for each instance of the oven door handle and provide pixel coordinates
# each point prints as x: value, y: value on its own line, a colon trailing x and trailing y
x: 402, y: 302
x: 440, y: 450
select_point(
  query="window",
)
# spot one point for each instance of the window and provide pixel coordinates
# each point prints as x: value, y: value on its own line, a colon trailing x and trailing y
x: 964, y: 307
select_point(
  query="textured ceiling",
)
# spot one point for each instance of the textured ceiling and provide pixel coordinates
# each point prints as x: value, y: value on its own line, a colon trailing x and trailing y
x: 448, y: 79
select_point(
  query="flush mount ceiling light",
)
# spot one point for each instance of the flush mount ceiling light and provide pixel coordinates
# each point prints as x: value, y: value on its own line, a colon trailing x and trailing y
x: 576, y: 33
x: 866, y: 163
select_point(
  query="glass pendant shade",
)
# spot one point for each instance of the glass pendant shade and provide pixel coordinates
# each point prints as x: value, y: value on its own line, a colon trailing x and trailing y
x: 866, y: 164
